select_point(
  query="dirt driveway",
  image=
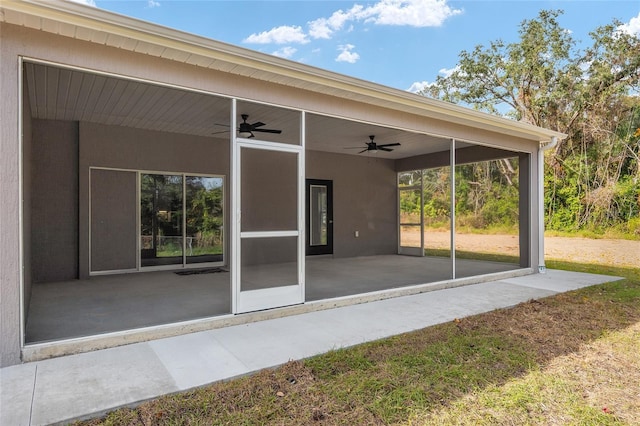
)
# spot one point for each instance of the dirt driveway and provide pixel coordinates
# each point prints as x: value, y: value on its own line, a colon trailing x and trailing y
x: 611, y: 252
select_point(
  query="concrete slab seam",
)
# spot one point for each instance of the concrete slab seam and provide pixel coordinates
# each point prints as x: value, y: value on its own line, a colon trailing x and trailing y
x: 232, y: 353
x: 33, y: 393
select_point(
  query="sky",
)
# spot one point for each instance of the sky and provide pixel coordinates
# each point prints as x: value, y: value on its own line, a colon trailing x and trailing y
x: 404, y: 44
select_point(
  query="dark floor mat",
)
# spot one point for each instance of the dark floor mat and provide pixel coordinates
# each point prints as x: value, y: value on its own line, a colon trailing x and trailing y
x: 201, y: 271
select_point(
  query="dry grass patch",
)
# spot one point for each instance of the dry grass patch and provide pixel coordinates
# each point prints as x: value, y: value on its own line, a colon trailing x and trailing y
x: 608, y: 373
x: 599, y: 385
x: 282, y: 396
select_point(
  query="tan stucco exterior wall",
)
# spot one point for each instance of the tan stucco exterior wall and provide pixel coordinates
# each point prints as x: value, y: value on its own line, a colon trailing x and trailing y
x: 364, y: 200
x: 10, y: 268
x: 51, y: 188
x: 145, y: 150
x: 20, y: 41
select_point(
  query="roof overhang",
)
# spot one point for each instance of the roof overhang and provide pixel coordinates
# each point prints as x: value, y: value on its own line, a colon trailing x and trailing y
x: 99, y: 26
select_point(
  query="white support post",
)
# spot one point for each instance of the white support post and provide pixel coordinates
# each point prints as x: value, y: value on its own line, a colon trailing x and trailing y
x: 542, y: 268
x: 452, y: 213
x: 235, y: 210
x: 421, y: 213
x: 302, y: 206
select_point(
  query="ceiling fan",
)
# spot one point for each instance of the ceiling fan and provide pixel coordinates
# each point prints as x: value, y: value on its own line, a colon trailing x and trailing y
x: 372, y: 146
x: 246, y: 130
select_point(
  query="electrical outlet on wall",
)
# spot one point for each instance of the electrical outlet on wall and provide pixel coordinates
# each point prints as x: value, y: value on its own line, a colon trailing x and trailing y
x: 356, y: 234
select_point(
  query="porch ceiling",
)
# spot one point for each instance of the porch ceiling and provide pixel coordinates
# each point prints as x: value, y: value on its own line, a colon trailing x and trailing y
x: 73, y: 95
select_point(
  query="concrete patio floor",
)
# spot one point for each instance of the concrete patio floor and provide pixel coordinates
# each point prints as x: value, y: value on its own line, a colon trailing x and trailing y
x: 113, y: 303
x: 61, y: 389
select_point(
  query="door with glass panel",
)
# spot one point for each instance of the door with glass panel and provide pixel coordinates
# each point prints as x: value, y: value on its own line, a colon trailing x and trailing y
x: 319, y: 220
x: 270, y: 247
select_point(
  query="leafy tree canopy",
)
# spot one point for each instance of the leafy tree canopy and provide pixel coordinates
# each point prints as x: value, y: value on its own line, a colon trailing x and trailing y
x: 589, y: 93
x: 545, y: 80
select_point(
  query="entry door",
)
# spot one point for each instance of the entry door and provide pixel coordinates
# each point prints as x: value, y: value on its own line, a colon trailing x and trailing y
x: 269, y: 270
x: 319, y: 223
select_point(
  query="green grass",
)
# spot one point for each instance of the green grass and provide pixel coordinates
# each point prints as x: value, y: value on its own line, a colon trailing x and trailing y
x: 593, y: 385
x: 461, y: 254
x: 171, y: 250
x: 558, y: 360
x: 393, y: 376
x: 619, y: 233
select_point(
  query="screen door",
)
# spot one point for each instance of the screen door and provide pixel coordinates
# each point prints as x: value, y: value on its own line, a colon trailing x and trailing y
x: 270, y: 247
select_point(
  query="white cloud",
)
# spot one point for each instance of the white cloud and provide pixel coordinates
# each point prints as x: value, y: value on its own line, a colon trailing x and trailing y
x: 152, y: 3
x: 414, y: 13
x: 320, y: 29
x: 419, y: 86
x: 346, y: 54
x: 633, y: 27
x: 446, y: 72
x: 285, y: 52
x: 87, y: 2
x: 279, y: 35
x: 325, y: 27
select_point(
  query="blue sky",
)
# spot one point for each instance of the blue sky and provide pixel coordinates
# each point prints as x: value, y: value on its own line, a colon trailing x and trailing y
x: 399, y: 43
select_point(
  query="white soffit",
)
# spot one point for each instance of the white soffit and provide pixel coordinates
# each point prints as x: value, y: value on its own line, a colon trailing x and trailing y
x: 91, y: 24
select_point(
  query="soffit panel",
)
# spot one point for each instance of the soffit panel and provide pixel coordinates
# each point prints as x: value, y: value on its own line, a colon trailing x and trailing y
x: 63, y: 94
x: 341, y: 136
x: 73, y: 95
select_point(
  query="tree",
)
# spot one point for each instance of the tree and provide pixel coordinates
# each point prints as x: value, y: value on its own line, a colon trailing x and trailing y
x: 590, y: 94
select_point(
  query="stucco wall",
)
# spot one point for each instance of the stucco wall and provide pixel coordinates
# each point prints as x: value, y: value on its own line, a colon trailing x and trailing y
x: 364, y: 200
x: 59, y: 188
x: 114, y: 229
x: 10, y: 222
x: 54, y: 200
x: 136, y: 149
x: 364, y: 188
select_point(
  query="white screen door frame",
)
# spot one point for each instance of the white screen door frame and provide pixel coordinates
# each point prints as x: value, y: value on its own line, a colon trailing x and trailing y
x: 266, y: 298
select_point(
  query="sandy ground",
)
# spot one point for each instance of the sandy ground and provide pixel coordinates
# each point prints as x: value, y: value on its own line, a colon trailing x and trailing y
x: 612, y: 252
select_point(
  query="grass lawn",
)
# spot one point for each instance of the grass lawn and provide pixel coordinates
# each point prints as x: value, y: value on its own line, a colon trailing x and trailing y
x: 567, y: 359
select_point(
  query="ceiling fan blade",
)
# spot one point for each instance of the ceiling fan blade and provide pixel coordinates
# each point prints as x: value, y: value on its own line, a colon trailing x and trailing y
x: 221, y: 125
x: 382, y: 148
x: 217, y: 133
x: 389, y: 144
x: 258, y: 124
x: 352, y: 147
x: 268, y: 131
x: 364, y: 150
